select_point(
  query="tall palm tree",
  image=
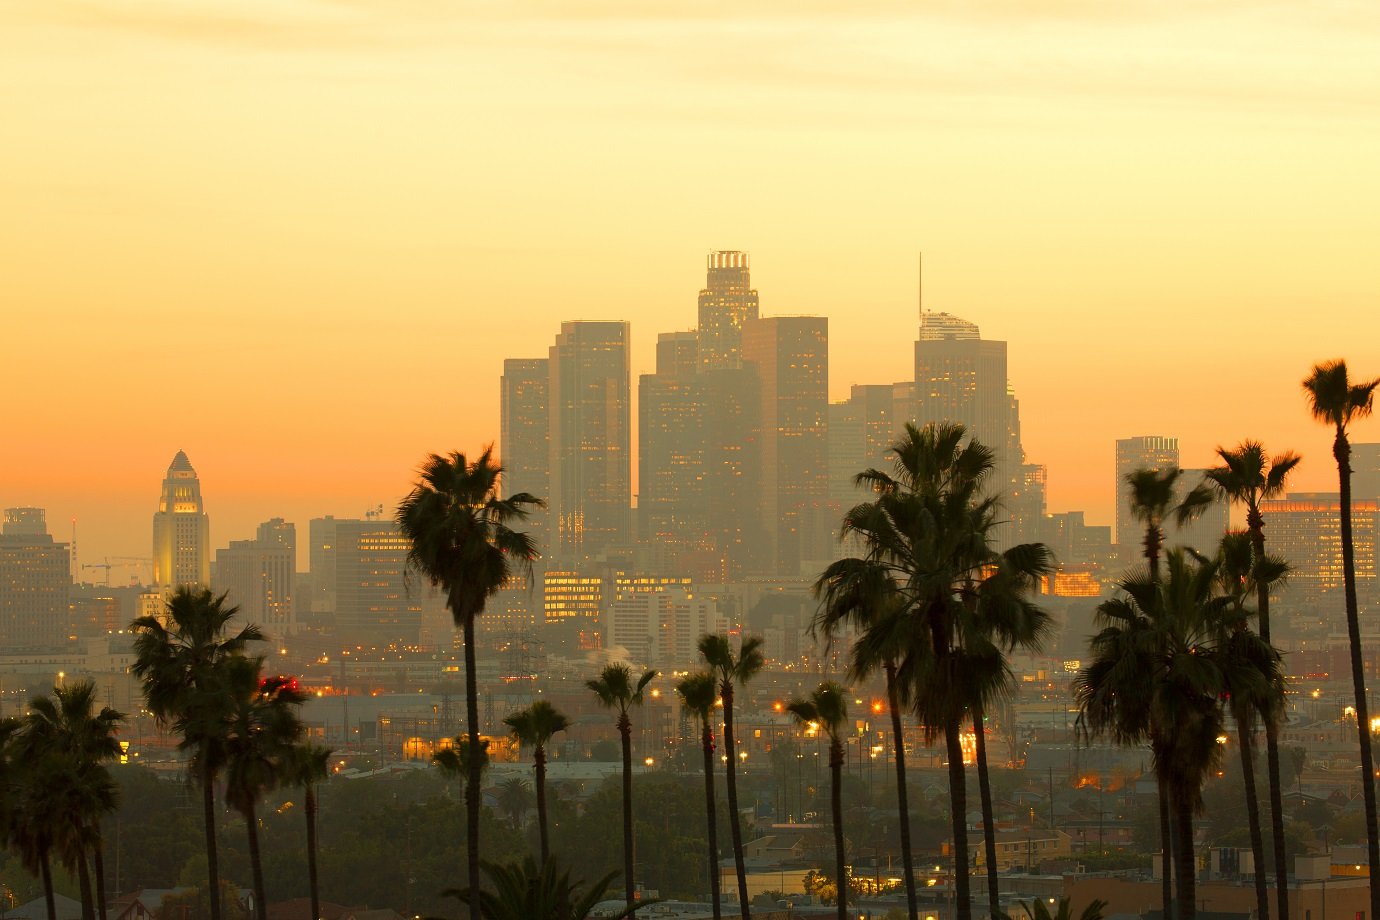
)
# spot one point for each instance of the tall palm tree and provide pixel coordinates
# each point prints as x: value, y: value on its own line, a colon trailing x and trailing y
x: 1157, y: 674
x: 1153, y: 497
x: 862, y: 592
x: 698, y: 692
x: 616, y: 689
x: 308, y: 765
x: 462, y: 542
x: 534, y: 726
x: 1248, y: 476
x: 732, y: 670
x: 826, y: 709
x: 177, y: 657
x: 930, y: 527
x: 261, y: 727
x: 1253, y: 676
x: 66, y: 724
x: 1336, y: 401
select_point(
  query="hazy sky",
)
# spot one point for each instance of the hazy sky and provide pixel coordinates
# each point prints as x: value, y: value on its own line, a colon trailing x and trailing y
x: 296, y: 238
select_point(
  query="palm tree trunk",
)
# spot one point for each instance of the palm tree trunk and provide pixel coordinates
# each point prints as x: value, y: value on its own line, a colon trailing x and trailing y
x: 256, y: 863
x: 1262, y: 596
x: 45, y: 869
x: 1341, y: 449
x: 1166, y: 851
x: 734, y: 824
x: 98, y: 865
x: 539, y: 762
x: 958, y: 806
x: 472, y: 772
x: 311, y: 853
x: 1184, y: 856
x: 88, y: 908
x: 208, y: 806
x: 836, y: 805
x: 625, y: 732
x: 989, y: 825
x: 715, y: 883
x: 902, y: 796
x: 1262, y: 894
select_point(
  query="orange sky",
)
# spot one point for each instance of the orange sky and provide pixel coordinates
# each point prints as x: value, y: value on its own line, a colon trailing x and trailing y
x: 297, y: 238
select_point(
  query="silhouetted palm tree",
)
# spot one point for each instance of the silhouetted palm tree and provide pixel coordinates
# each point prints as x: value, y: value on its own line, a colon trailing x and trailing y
x: 308, y: 765
x: 177, y: 661
x: 732, y: 670
x: 862, y: 592
x: 1336, y: 401
x: 461, y: 541
x: 698, y: 692
x: 826, y: 709
x: 1157, y: 674
x: 961, y: 601
x: 525, y: 892
x: 1253, y: 677
x: 534, y: 726
x: 261, y: 727
x: 1248, y: 477
x: 67, y: 725
x: 616, y: 689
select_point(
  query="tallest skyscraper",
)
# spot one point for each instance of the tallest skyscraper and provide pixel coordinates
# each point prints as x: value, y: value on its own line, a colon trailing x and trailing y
x: 727, y: 303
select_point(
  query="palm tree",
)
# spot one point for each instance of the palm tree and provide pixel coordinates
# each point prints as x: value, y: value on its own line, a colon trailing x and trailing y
x: 960, y: 600
x: 826, y: 708
x: 177, y: 660
x: 35, y: 813
x: 524, y: 892
x: 1336, y: 401
x: 1153, y: 500
x: 1036, y: 910
x: 515, y: 799
x: 462, y: 542
x: 1248, y: 477
x: 698, y: 693
x: 616, y: 689
x: 308, y: 765
x: 66, y: 725
x: 534, y: 726
x: 261, y: 727
x: 732, y: 670
x: 1253, y: 676
x: 1157, y: 674
x: 862, y: 592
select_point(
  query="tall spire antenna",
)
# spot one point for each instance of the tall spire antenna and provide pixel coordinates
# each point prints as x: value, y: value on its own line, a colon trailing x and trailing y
x: 920, y: 283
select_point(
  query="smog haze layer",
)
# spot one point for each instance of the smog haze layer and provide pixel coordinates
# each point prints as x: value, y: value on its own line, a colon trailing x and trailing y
x: 297, y: 239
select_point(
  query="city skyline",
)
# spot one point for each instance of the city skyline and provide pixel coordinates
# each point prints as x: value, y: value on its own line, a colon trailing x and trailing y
x: 345, y: 297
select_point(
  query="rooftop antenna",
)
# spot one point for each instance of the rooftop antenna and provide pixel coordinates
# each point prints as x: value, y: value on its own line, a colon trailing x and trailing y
x: 920, y: 283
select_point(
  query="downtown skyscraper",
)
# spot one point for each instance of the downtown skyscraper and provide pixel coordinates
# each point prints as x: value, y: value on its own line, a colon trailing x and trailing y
x: 590, y: 439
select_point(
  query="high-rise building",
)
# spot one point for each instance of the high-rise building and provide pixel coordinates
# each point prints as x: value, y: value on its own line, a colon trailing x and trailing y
x: 727, y: 303
x: 661, y: 629
x: 672, y: 441
x: 1204, y: 532
x: 590, y: 501
x: 181, y: 530
x: 376, y: 604
x: 258, y: 575
x: 321, y: 563
x: 790, y: 355
x: 1305, y: 529
x: 35, y: 577
x: 524, y: 440
x: 1145, y: 452
x: 1365, y: 471
x: 862, y: 429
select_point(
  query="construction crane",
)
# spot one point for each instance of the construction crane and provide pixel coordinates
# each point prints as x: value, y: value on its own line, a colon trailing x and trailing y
x: 119, y: 562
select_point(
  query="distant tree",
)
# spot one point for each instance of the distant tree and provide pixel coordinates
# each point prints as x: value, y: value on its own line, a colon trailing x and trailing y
x: 698, y: 693
x: 534, y: 727
x: 307, y: 766
x: 826, y: 710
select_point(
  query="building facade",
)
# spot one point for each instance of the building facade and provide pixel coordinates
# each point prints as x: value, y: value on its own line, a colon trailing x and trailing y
x: 181, y: 530
x: 35, y: 577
